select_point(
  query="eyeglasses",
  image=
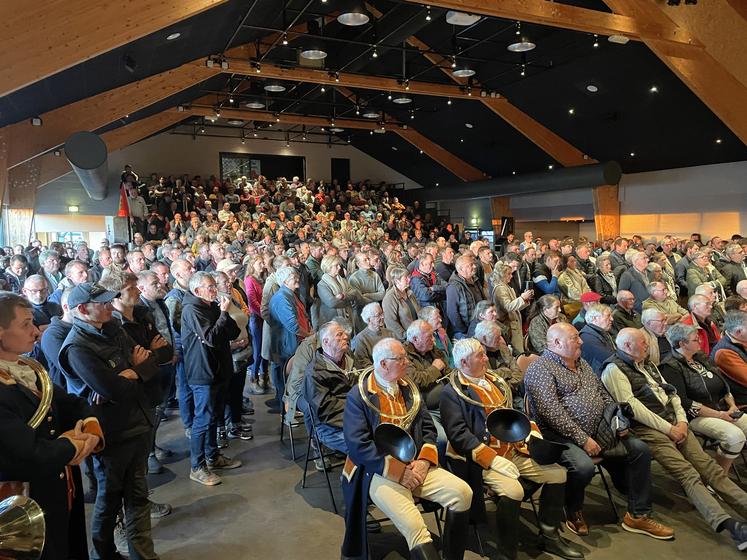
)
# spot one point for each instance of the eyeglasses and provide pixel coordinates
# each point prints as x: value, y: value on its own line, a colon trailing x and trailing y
x: 399, y: 359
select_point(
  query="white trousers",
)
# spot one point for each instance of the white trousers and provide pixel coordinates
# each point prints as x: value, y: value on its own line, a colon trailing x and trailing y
x: 504, y: 485
x: 730, y: 436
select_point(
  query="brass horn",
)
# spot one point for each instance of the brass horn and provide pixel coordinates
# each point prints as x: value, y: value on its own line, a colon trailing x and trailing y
x: 390, y: 437
x: 47, y: 391
x: 504, y: 423
x: 21, y: 529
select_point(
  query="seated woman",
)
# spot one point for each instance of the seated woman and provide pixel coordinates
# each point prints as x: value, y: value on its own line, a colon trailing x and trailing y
x: 572, y: 283
x: 485, y: 311
x: 603, y: 282
x: 546, y: 312
x: 704, y: 393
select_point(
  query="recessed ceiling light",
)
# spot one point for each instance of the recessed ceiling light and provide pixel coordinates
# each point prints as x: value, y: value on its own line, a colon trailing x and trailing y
x: 653, y: 89
x: 313, y: 54
x: 370, y: 114
x: 355, y: 15
x: 394, y: 148
x: 550, y: 167
x: 421, y: 152
x: 461, y: 140
x: 235, y: 122
x: 718, y: 140
x: 632, y: 154
x: 469, y: 125
x: 571, y: 111
x: 513, y: 173
x: 275, y: 88
x: 460, y: 18
x: 255, y: 105
x: 402, y: 99
x: 618, y: 39
x: 173, y: 36
x: 436, y: 184
x: 522, y: 46
x: 591, y: 88
x: 336, y: 129
x: 379, y: 130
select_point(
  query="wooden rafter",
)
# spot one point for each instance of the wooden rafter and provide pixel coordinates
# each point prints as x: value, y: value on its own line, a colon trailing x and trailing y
x: 436, y: 152
x: 555, y: 14
x: 706, y: 76
x: 38, y: 39
x: 28, y: 141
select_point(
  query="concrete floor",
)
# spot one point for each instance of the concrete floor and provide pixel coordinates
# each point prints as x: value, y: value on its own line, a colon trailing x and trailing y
x: 261, y: 511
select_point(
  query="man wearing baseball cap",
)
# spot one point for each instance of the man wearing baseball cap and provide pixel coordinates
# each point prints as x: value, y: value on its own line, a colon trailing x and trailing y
x: 105, y: 366
x: 587, y: 299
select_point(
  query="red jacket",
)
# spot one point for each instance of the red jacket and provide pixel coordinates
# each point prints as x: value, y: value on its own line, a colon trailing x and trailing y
x: 693, y: 322
x: 254, y: 294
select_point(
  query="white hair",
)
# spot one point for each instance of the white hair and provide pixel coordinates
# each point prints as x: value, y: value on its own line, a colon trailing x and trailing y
x: 284, y: 273
x: 464, y: 348
x: 383, y: 349
x: 369, y: 310
x: 626, y: 336
x: 487, y: 330
x: 595, y: 312
x: 416, y: 328
x: 650, y: 314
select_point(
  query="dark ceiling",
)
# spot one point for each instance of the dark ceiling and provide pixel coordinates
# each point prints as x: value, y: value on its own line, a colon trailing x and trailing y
x: 624, y: 120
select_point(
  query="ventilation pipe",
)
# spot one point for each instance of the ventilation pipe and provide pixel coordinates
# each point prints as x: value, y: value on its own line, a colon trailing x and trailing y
x: 87, y: 155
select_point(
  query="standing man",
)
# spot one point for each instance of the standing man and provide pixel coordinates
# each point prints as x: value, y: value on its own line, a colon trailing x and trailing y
x: 462, y: 295
x: 207, y: 332
x: 76, y: 272
x: 104, y: 365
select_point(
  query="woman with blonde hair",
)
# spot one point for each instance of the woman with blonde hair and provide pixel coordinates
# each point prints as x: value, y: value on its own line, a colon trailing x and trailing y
x: 508, y: 305
x: 399, y: 304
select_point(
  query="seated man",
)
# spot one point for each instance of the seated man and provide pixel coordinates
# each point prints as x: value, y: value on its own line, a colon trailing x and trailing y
x: 730, y: 354
x: 597, y: 342
x: 587, y: 300
x: 326, y: 383
x: 654, y: 329
x: 659, y: 299
x: 717, y: 309
x: 390, y: 483
x: 500, y: 360
x: 700, y: 317
x: 432, y: 315
x: 661, y: 422
x: 480, y: 459
x: 363, y: 343
x: 624, y: 313
x: 568, y: 402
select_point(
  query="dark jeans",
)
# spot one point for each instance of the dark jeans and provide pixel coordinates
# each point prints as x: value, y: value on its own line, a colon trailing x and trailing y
x: 277, y: 376
x: 630, y: 474
x: 203, y: 443
x: 255, y: 329
x: 235, y: 397
x: 120, y: 474
x: 332, y: 437
x: 184, y: 393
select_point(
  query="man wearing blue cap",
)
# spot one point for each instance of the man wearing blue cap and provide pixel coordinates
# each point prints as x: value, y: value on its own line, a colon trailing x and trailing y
x: 105, y: 366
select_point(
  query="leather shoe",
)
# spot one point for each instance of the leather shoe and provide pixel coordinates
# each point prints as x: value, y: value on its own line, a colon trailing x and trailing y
x: 425, y: 551
x: 577, y: 524
x: 552, y: 542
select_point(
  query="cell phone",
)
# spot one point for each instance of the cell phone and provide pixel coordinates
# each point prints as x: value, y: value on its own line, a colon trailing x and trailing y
x: 737, y: 414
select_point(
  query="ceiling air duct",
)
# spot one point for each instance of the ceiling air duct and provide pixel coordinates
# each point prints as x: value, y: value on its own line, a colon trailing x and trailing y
x: 87, y: 155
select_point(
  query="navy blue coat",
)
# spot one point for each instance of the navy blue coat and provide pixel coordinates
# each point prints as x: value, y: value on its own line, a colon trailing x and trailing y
x: 365, y: 460
x: 51, y: 342
x: 596, y: 347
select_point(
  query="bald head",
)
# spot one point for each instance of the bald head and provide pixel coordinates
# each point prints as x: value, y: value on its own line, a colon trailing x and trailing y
x: 563, y: 340
x: 632, y: 342
x: 742, y: 288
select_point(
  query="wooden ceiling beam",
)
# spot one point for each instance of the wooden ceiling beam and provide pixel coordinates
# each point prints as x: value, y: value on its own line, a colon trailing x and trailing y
x: 436, y: 152
x: 39, y: 39
x: 325, y: 77
x: 555, y: 14
x: 28, y: 141
x: 710, y: 79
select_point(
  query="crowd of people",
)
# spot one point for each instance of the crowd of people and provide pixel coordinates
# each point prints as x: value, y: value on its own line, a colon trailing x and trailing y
x: 623, y: 351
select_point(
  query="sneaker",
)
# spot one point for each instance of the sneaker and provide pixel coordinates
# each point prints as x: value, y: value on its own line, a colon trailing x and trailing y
x: 739, y: 534
x: 222, y: 438
x: 203, y: 475
x: 173, y: 404
x: 223, y: 462
x: 255, y: 389
x: 321, y: 463
x: 157, y: 511
x: 162, y: 454
x: 646, y: 525
x: 239, y: 431
x: 154, y: 465
x: 577, y: 524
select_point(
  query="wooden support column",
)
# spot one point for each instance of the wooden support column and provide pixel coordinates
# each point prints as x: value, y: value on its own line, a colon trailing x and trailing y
x: 606, y: 211
x: 500, y: 206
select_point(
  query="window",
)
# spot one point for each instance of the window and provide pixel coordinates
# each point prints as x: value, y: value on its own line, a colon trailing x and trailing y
x: 73, y: 236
